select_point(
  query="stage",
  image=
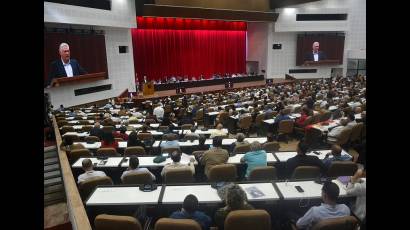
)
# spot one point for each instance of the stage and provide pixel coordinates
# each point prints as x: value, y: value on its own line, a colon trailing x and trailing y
x: 211, y: 88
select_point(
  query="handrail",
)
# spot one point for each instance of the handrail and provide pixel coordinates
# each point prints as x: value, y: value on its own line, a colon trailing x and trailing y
x: 78, y: 215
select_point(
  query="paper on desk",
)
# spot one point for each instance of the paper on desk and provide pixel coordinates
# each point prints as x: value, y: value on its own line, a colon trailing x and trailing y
x: 254, y: 192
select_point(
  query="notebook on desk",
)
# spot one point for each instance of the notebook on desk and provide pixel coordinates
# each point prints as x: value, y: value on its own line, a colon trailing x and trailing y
x: 344, y: 179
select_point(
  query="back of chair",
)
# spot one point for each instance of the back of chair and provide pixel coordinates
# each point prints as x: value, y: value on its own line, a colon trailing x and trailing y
x: 344, y: 136
x: 245, y: 122
x: 73, y: 137
x: 186, y: 126
x: 306, y: 172
x: 342, y: 168
x: 111, y: 222
x: 257, y: 219
x: 108, y: 128
x: 173, y: 224
x: 173, y: 136
x: 270, y: 147
x: 86, y: 187
x: 92, y: 139
x: 356, y: 132
x: 134, y: 150
x: 62, y: 123
x: 325, y: 116
x: 286, y: 127
x: 86, y: 128
x: 339, y: 223
x: 118, y: 139
x: 109, y: 152
x: 137, y: 178
x: 263, y: 173
x: 222, y: 172
x: 242, y: 148
x: 83, y: 122
x: 223, y: 117
x: 259, y: 119
x: 76, y: 154
x: 179, y: 175
x: 66, y: 128
x: 145, y: 136
x: 150, y: 121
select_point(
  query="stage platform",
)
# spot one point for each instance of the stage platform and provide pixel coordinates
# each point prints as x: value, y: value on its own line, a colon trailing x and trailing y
x: 212, y: 88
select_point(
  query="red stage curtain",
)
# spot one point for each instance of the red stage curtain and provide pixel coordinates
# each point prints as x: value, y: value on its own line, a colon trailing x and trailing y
x: 190, y: 50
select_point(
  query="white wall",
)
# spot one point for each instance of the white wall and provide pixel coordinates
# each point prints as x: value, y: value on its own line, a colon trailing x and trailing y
x: 116, y: 24
x: 257, y: 38
x: 286, y: 28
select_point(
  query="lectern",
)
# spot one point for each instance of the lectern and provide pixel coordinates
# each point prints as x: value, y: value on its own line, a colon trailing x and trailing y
x: 80, y: 78
x: 148, y: 88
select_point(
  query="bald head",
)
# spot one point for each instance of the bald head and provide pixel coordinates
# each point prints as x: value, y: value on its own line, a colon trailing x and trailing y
x: 87, y: 164
x: 336, y: 150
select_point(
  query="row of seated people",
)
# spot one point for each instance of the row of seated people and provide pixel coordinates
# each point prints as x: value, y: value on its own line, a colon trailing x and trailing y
x: 329, y: 214
x: 254, y: 158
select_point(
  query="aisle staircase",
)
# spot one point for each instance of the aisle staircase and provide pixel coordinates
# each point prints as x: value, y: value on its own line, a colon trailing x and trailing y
x: 53, y: 182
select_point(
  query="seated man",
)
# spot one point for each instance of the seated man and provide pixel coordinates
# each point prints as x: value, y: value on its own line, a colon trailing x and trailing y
x: 328, y: 209
x: 337, y: 156
x: 282, y: 116
x: 334, y: 133
x: 190, y: 211
x: 89, y: 171
x: 218, y: 131
x: 176, y: 158
x: 301, y: 159
x: 215, y: 156
x: 351, y: 120
x: 357, y: 187
x: 133, y: 168
x: 240, y: 141
x: 97, y: 131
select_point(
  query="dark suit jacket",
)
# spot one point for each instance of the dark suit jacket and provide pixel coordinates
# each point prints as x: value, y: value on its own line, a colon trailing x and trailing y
x: 303, y: 160
x: 309, y: 56
x: 57, y: 69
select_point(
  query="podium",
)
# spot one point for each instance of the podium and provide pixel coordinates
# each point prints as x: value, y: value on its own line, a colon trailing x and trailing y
x: 56, y: 82
x: 148, y: 88
x: 323, y: 62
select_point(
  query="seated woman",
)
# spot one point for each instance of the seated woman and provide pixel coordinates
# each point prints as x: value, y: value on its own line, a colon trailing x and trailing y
x: 304, y: 115
x: 235, y: 200
x: 108, y: 141
x: 134, y: 141
x: 255, y: 158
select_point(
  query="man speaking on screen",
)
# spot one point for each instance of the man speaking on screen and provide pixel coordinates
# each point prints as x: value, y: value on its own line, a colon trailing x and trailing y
x: 65, y: 67
x: 315, y: 55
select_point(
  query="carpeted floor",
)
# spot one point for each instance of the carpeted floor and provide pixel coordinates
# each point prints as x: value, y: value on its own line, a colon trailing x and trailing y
x: 56, y: 215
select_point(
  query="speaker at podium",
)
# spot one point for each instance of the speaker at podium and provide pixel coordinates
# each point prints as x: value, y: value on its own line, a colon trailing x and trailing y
x: 148, y: 88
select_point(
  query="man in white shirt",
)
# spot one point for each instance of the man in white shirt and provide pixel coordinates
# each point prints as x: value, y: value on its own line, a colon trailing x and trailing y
x: 357, y: 187
x: 133, y: 168
x: 159, y: 111
x: 89, y: 171
x: 328, y: 209
x: 176, y: 164
x: 336, y: 131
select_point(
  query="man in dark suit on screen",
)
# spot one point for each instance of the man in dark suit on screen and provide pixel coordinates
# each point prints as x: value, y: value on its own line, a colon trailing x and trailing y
x: 64, y: 67
x: 315, y: 55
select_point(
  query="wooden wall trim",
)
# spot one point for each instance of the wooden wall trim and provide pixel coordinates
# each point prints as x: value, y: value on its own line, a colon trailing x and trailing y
x: 207, y: 13
x: 78, y: 215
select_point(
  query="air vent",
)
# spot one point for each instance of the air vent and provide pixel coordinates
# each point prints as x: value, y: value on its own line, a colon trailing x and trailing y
x: 94, y: 89
x: 321, y: 17
x: 303, y: 71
